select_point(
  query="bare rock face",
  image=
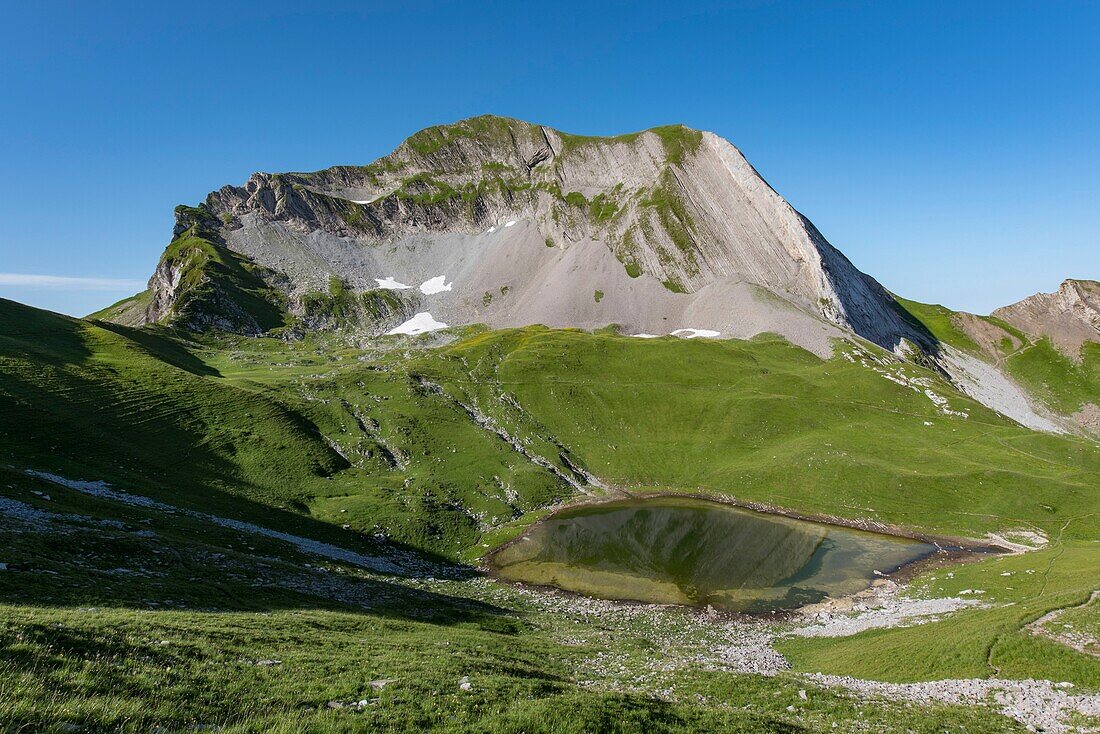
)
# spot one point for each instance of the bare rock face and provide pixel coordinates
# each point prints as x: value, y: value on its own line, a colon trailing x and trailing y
x: 1069, y: 317
x: 672, y: 226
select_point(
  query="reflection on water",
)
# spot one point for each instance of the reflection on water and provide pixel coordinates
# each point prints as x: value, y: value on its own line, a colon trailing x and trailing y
x: 674, y: 550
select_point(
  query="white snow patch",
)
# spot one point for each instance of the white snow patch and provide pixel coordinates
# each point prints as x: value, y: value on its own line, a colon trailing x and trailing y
x: 509, y: 223
x: 418, y: 324
x: 391, y: 284
x: 693, y: 333
x: 491, y: 229
x: 646, y: 336
x: 437, y: 284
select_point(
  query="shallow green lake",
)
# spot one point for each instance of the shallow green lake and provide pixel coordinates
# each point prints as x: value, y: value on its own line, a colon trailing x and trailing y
x: 672, y: 550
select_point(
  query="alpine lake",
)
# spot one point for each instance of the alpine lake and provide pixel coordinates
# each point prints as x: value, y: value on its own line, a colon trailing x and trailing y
x: 683, y: 550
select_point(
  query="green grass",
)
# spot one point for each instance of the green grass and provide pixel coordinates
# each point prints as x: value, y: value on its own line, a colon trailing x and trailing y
x: 677, y: 141
x: 314, y: 435
x: 766, y: 421
x: 119, y: 618
x: 136, y: 670
x: 218, y: 288
x: 979, y: 643
x: 675, y: 219
x: 309, y: 427
x: 938, y: 321
x: 1061, y: 382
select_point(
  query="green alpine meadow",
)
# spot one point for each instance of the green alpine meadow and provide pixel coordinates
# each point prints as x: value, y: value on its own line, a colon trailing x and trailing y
x: 368, y: 455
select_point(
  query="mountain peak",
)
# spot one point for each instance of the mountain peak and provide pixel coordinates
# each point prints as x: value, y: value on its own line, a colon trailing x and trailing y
x: 1069, y: 317
x: 672, y: 224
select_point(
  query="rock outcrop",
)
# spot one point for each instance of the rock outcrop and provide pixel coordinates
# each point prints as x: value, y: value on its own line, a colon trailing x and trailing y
x: 673, y: 226
x: 1069, y: 317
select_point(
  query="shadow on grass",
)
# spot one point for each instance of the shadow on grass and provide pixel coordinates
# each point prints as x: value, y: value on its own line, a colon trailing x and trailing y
x: 74, y: 550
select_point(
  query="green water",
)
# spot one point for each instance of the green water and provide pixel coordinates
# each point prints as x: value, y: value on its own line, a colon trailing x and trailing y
x: 672, y: 550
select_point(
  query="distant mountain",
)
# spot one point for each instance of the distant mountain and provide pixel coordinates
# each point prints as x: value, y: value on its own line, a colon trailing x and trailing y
x: 502, y: 222
x: 1069, y: 317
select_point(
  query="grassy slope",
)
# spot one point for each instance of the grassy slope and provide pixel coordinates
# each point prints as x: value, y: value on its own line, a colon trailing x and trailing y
x: 183, y: 613
x: 1061, y: 383
x: 765, y: 421
x: 977, y: 643
x: 266, y: 440
x: 244, y: 427
x: 310, y: 426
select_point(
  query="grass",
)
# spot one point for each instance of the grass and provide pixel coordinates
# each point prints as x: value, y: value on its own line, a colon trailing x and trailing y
x: 310, y: 425
x: 218, y: 288
x: 372, y: 447
x: 979, y: 643
x: 108, y: 630
x: 136, y: 670
x: 938, y: 321
x: 1061, y: 382
x: 764, y: 420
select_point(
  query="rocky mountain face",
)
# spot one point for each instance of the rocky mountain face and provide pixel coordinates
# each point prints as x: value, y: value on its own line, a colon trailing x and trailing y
x: 525, y: 224
x: 1069, y: 317
x: 506, y: 223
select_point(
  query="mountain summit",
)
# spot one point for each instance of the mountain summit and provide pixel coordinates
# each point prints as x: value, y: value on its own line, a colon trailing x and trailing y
x: 497, y: 221
x: 525, y: 224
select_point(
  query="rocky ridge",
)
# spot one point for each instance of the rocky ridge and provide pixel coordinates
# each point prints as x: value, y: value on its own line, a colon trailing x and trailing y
x: 502, y: 222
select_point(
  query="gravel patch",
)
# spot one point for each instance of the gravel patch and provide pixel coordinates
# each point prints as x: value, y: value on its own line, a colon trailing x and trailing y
x: 1039, y: 705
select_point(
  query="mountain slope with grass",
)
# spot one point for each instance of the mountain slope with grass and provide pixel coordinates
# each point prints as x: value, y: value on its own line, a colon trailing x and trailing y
x: 329, y: 492
x: 261, y: 495
x: 501, y: 222
x: 1048, y: 344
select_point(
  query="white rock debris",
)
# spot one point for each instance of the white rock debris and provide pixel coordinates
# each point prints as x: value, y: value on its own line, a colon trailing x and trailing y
x: 103, y: 490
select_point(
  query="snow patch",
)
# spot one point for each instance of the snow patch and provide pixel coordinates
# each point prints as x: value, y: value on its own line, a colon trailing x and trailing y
x: 510, y: 223
x: 418, y: 324
x: 646, y: 336
x: 693, y: 333
x: 437, y: 284
x: 391, y: 284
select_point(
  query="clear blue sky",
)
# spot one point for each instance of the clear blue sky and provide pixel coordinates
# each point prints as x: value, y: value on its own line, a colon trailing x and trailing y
x: 949, y: 149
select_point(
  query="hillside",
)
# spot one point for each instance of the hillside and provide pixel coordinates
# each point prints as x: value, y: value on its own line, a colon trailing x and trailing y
x: 1048, y: 344
x: 263, y: 494
x: 414, y: 443
x: 384, y: 467
x: 505, y: 223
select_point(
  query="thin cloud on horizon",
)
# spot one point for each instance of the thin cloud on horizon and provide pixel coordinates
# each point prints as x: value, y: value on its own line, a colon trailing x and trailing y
x: 26, y: 280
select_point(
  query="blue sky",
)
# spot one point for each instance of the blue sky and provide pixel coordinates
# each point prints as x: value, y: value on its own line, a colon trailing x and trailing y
x: 949, y: 149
